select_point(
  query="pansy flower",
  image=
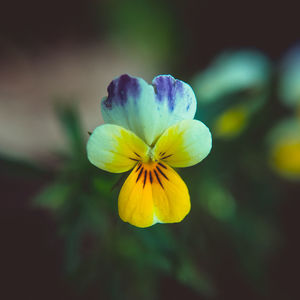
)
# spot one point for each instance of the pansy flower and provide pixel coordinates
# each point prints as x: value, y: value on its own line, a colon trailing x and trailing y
x: 150, y: 129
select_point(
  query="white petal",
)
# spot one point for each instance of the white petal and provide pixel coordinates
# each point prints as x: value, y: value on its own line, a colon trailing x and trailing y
x: 114, y: 149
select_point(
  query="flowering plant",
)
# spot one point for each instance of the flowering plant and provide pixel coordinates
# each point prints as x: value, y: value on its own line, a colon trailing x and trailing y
x: 151, y: 129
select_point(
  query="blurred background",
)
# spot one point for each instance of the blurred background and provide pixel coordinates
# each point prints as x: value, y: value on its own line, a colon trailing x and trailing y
x: 61, y: 234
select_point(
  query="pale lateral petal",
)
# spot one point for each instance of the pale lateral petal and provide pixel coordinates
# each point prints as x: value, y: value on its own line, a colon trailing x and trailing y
x: 115, y: 149
x: 184, y: 144
x: 148, y: 110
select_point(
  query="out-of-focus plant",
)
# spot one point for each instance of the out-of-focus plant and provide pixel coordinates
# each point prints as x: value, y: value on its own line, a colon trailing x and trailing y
x: 232, y: 89
x: 289, y: 79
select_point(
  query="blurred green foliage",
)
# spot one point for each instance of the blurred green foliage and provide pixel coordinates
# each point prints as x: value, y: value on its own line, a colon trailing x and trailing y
x: 147, y: 28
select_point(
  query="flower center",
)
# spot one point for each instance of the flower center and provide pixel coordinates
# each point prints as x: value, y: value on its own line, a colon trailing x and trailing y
x: 154, y: 157
x: 152, y: 173
x: 150, y: 156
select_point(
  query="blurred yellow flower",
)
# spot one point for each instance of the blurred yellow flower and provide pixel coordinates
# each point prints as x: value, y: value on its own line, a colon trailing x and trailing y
x: 150, y: 128
x: 231, y: 122
x: 285, y: 158
x: 285, y: 148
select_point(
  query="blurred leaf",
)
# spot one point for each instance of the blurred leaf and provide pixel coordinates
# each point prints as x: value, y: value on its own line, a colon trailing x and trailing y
x: 232, y: 72
x: 144, y: 26
x: 189, y: 275
x: 102, y: 185
x: 54, y: 196
x: 69, y: 119
x: 217, y: 201
x: 289, y: 80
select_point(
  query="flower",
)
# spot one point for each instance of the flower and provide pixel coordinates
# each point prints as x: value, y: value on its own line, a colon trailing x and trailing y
x: 149, y: 128
x: 284, y: 148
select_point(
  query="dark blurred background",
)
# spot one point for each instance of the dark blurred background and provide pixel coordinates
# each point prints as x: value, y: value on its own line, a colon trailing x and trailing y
x: 57, y: 55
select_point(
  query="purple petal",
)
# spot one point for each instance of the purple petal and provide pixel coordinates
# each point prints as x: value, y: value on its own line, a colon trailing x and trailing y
x: 120, y: 89
x: 167, y: 87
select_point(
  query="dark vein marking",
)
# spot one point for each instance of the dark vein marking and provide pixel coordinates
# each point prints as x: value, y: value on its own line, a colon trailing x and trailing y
x: 145, y: 178
x: 158, y: 179
x: 161, y: 172
x: 150, y: 175
x: 162, y: 165
x: 167, y: 156
x: 136, y: 154
x: 133, y: 159
x: 142, y: 169
x: 138, y: 167
x: 162, y: 153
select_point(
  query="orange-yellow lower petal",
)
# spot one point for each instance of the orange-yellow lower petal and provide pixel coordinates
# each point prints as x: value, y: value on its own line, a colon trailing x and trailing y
x: 153, y: 193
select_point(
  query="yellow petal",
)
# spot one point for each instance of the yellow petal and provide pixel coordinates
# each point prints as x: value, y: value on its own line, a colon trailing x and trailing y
x: 171, y: 198
x: 115, y: 149
x: 153, y: 193
x: 183, y: 144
